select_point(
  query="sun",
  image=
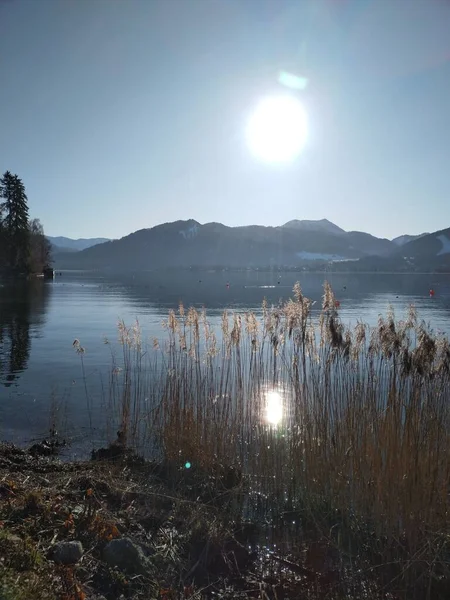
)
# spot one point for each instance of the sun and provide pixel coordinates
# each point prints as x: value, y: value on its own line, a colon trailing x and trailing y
x: 278, y: 129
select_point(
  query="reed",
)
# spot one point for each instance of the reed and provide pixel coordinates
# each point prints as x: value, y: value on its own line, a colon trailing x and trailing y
x: 347, y: 428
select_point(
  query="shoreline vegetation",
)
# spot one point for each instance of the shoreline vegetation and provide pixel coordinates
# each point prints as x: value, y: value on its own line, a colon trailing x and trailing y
x: 24, y: 249
x: 284, y: 456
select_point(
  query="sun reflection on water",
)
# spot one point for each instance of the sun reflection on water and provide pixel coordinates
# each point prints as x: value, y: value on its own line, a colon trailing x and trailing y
x: 274, y: 408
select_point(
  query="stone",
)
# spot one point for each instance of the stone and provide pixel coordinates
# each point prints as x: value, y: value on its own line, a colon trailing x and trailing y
x: 66, y: 553
x: 127, y: 556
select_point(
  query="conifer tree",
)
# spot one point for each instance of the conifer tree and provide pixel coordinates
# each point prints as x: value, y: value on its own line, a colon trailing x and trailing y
x: 15, y: 223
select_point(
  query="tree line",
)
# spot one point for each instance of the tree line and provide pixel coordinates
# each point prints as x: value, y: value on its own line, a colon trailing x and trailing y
x: 24, y: 249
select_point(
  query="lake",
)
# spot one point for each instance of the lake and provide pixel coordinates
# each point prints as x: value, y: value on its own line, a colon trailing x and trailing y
x: 39, y: 320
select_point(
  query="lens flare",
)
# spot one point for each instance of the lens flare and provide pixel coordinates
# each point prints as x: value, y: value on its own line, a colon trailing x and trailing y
x: 292, y: 81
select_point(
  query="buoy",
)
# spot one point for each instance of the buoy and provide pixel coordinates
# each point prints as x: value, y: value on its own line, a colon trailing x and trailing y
x: 431, y: 293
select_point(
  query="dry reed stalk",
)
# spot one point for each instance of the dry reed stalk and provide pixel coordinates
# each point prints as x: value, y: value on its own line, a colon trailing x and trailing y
x: 366, y: 419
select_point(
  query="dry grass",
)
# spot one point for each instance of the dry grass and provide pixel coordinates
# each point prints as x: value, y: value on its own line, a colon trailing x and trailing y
x: 361, y: 452
x: 195, y: 552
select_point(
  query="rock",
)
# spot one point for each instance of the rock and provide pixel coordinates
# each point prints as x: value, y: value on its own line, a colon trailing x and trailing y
x: 112, y: 452
x: 126, y: 555
x: 12, y: 538
x: 40, y: 449
x: 116, y: 452
x: 46, y: 448
x: 66, y: 553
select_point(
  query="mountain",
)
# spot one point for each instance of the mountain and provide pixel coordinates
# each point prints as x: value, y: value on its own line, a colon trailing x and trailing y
x: 433, y: 246
x: 322, y: 225
x: 190, y: 244
x: 401, y: 240
x: 64, y: 244
x: 428, y: 253
x: 56, y: 248
x: 359, y: 240
x: 369, y: 245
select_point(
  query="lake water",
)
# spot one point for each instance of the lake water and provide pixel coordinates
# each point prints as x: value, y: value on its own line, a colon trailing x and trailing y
x: 39, y: 320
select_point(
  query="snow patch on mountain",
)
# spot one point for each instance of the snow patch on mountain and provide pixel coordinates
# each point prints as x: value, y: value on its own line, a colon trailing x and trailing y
x: 318, y: 256
x: 445, y: 244
x: 189, y: 233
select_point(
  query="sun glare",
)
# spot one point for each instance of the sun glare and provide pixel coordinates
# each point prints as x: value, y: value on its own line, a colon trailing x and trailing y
x: 277, y: 130
x: 274, y: 408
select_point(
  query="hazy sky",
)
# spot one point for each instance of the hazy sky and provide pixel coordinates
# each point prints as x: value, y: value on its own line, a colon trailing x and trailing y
x: 122, y: 114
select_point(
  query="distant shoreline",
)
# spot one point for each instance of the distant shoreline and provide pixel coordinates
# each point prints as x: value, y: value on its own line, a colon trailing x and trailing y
x: 222, y: 269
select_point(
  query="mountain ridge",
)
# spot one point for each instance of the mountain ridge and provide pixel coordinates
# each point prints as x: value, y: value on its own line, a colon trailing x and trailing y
x: 71, y: 244
x: 323, y: 225
x: 401, y: 240
x: 189, y: 244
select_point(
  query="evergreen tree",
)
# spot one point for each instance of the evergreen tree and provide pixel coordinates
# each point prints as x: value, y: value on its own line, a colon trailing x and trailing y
x: 15, y: 225
x: 3, y: 258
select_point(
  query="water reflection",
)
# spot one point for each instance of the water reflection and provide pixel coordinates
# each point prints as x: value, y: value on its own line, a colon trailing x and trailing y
x: 22, y: 311
x: 87, y: 305
x: 274, y: 408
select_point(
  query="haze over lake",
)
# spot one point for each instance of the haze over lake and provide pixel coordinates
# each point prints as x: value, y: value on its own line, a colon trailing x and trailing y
x: 40, y: 369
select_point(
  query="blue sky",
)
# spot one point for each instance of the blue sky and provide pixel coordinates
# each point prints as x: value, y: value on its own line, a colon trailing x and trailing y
x: 122, y: 114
